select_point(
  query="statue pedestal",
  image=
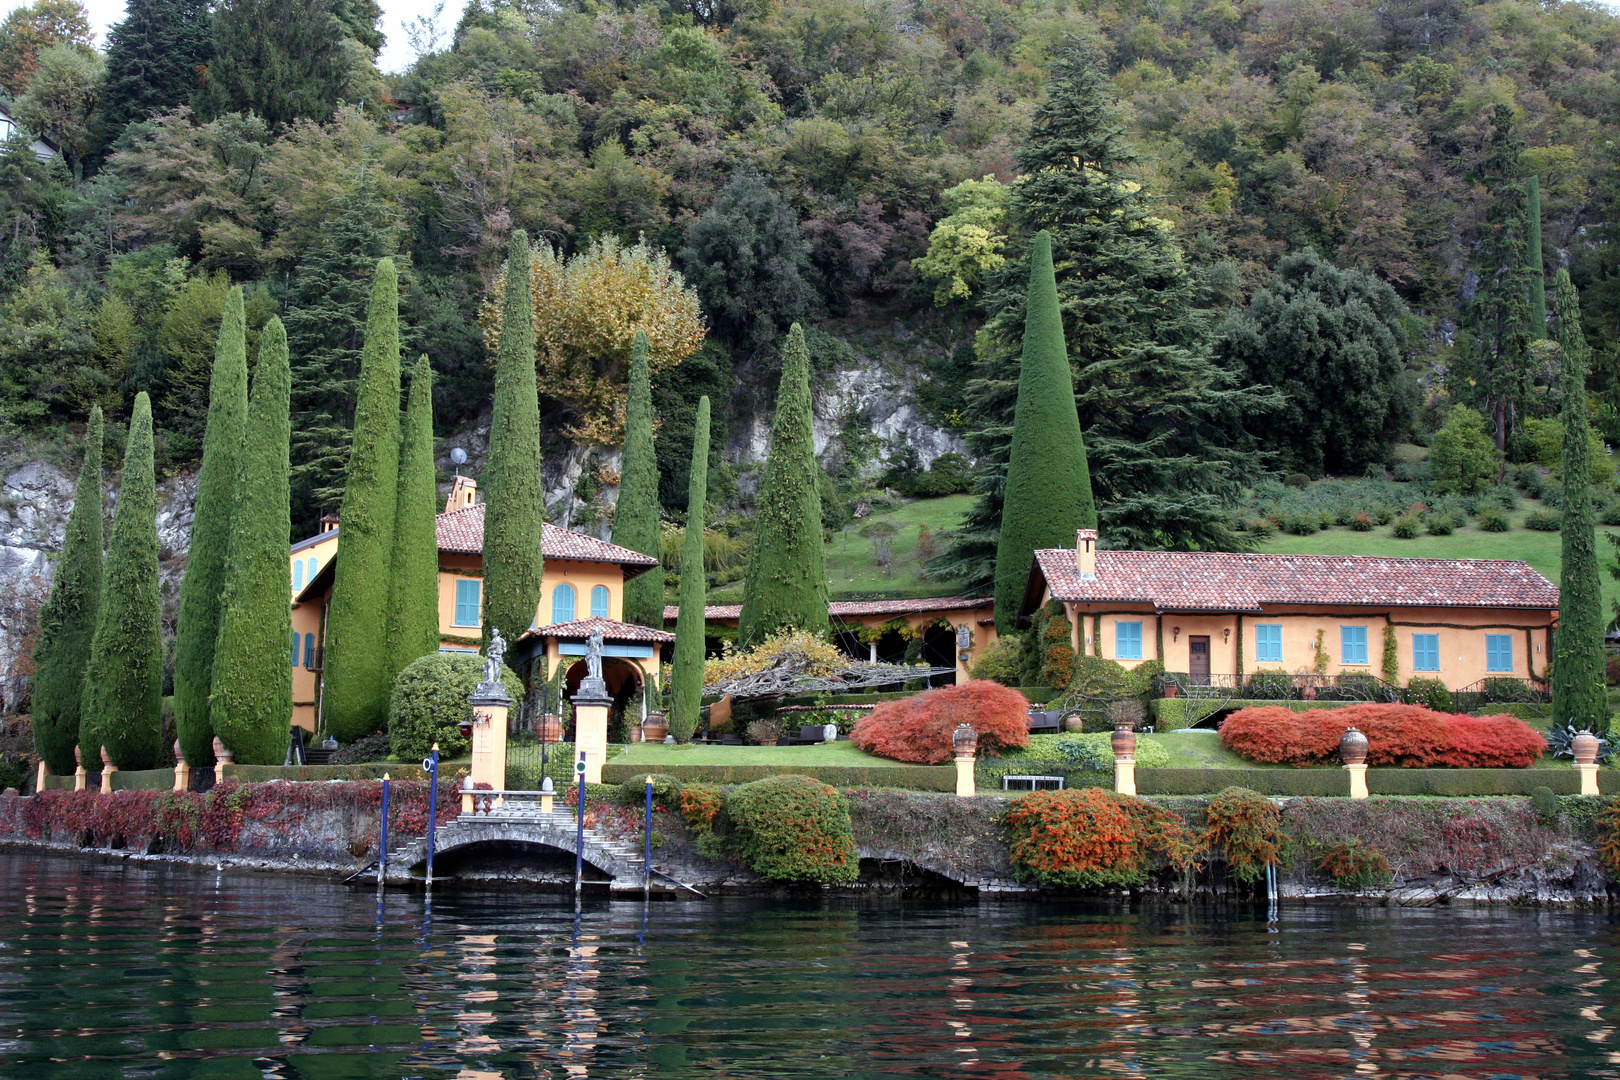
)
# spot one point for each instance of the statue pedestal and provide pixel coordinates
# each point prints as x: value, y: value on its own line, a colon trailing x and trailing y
x: 1589, y: 777
x: 182, y: 776
x: 591, y: 707
x: 39, y: 777
x: 489, y: 708
x: 1358, y: 780
x: 966, y: 783
x: 80, y: 778
x: 1125, y: 776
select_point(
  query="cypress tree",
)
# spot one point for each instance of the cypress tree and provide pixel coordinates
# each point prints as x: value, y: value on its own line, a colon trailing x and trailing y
x: 67, y: 622
x: 197, y: 628
x: 357, y: 682
x: 513, y: 565
x: 635, y: 521
x: 1579, y: 696
x: 251, y: 705
x: 785, y: 587
x: 1532, y: 258
x: 686, y: 680
x: 1048, y: 492
x: 413, y: 604
x: 123, y: 682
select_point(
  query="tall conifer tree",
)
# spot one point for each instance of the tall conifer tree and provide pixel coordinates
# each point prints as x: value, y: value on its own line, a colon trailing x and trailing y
x: 1580, y: 699
x: 686, y: 679
x: 1532, y: 258
x: 513, y: 491
x: 123, y: 682
x: 67, y: 622
x: 357, y: 674
x: 413, y: 605
x: 785, y: 587
x: 1048, y: 493
x: 635, y: 520
x: 252, y: 697
x: 201, y: 590
x: 153, y: 57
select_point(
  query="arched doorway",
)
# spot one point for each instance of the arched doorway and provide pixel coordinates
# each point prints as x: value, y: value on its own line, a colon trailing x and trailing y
x: 623, y: 680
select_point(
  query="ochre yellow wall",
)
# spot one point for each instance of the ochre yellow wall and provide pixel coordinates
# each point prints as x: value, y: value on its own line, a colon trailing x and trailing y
x: 583, y: 576
x: 1461, y: 631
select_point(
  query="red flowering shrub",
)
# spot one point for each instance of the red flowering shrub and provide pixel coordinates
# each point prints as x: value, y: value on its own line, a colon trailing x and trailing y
x: 1408, y: 736
x: 190, y: 822
x: 919, y: 728
x: 1089, y: 838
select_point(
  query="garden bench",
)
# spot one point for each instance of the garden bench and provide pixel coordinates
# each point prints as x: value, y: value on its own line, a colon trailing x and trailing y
x: 1032, y: 783
x: 1045, y: 722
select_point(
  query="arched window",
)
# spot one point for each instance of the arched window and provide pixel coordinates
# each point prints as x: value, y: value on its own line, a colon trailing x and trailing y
x: 312, y: 569
x: 309, y: 650
x: 562, y: 604
x: 599, y: 602
x: 298, y: 575
x: 295, y: 650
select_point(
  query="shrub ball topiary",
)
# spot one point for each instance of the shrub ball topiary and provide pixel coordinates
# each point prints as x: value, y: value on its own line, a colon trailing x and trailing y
x: 999, y: 663
x: 1430, y: 693
x: 1408, y: 736
x: 793, y: 828
x: 430, y: 701
x: 919, y: 728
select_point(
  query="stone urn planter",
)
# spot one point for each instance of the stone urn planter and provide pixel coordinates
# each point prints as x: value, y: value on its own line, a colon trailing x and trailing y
x: 1074, y: 723
x: 655, y: 728
x: 548, y: 729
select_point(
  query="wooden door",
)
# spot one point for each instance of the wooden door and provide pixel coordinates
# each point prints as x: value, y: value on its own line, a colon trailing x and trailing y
x: 1198, y: 659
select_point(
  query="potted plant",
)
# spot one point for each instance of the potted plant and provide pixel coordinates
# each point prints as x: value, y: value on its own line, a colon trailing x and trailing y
x: 655, y: 728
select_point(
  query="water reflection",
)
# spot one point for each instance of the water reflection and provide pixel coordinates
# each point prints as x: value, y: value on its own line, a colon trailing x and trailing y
x: 107, y: 970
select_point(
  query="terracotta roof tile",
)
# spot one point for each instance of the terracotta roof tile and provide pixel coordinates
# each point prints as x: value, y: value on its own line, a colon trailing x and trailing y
x: 462, y: 531
x: 851, y: 608
x: 581, y: 629
x: 1221, y: 581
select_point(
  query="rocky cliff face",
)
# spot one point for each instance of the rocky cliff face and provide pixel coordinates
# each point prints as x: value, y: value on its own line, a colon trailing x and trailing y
x: 35, y: 501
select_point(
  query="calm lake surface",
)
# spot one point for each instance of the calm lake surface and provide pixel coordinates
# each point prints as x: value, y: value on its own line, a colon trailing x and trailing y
x: 109, y: 970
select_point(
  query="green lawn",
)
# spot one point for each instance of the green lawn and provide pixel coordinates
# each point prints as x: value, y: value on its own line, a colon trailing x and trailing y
x: 1540, y: 549
x: 851, y: 566
x: 836, y: 753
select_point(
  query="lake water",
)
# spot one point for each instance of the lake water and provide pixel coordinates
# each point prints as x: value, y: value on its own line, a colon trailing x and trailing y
x: 109, y: 970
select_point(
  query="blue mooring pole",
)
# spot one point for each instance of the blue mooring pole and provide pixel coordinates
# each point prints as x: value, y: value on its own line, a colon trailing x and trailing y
x: 579, y: 837
x: 382, y: 841
x: 432, y: 767
x: 646, y: 881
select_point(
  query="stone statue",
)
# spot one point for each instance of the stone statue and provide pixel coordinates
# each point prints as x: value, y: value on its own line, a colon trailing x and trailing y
x: 593, y: 656
x: 495, y: 656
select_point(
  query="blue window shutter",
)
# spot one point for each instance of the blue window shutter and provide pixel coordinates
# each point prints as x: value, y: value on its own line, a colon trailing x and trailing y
x: 1128, y: 640
x: 599, y: 602
x: 295, y: 651
x: 1425, y: 652
x: 298, y: 575
x: 562, y: 603
x: 1353, y: 644
x: 1268, y: 643
x: 1498, y: 652
x: 467, y: 596
x: 309, y: 650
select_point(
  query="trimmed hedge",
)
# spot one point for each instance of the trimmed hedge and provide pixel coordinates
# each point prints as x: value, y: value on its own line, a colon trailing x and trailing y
x: 1335, y: 782
x: 397, y: 770
x: 1036, y: 695
x: 987, y: 775
x: 911, y: 777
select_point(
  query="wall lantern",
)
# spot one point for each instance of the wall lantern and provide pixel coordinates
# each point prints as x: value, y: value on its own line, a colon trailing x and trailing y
x: 1226, y: 634
x: 1175, y: 632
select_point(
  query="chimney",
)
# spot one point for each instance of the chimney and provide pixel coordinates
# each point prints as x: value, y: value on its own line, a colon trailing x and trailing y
x: 463, y: 493
x: 1085, y: 554
x: 329, y: 522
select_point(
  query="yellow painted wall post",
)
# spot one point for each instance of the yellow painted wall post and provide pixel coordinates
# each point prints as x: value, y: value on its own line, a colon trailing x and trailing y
x: 591, y: 705
x: 1124, y: 745
x: 965, y: 745
x: 182, y: 771
x: 39, y: 777
x: 490, y: 705
x: 1585, y: 747
x: 964, y: 652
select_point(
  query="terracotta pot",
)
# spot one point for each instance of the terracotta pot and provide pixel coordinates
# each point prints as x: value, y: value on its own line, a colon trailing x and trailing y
x: 1353, y: 747
x: 1074, y: 723
x: 1172, y: 690
x: 78, y: 757
x: 179, y: 755
x: 655, y: 728
x: 1124, y: 743
x: 221, y: 753
x: 106, y: 759
x: 635, y: 733
x: 548, y: 729
x: 1585, y: 748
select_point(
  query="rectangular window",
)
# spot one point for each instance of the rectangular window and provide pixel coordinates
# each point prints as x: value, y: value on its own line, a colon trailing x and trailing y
x: 467, y: 603
x: 1128, y: 641
x: 1498, y: 652
x: 1352, y: 644
x: 1268, y: 643
x: 1425, y: 652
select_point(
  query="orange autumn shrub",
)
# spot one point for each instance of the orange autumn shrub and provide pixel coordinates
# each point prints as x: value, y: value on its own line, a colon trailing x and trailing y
x: 1407, y: 736
x: 1091, y: 838
x: 919, y: 728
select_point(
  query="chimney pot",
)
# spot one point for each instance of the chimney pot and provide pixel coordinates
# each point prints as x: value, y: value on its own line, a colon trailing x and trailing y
x: 1085, y: 554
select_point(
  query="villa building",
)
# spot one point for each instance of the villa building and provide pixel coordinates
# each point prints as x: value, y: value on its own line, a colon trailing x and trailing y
x: 1214, y: 615
x: 583, y: 591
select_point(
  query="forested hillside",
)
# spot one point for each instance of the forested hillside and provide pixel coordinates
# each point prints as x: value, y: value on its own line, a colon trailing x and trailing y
x: 1288, y: 234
